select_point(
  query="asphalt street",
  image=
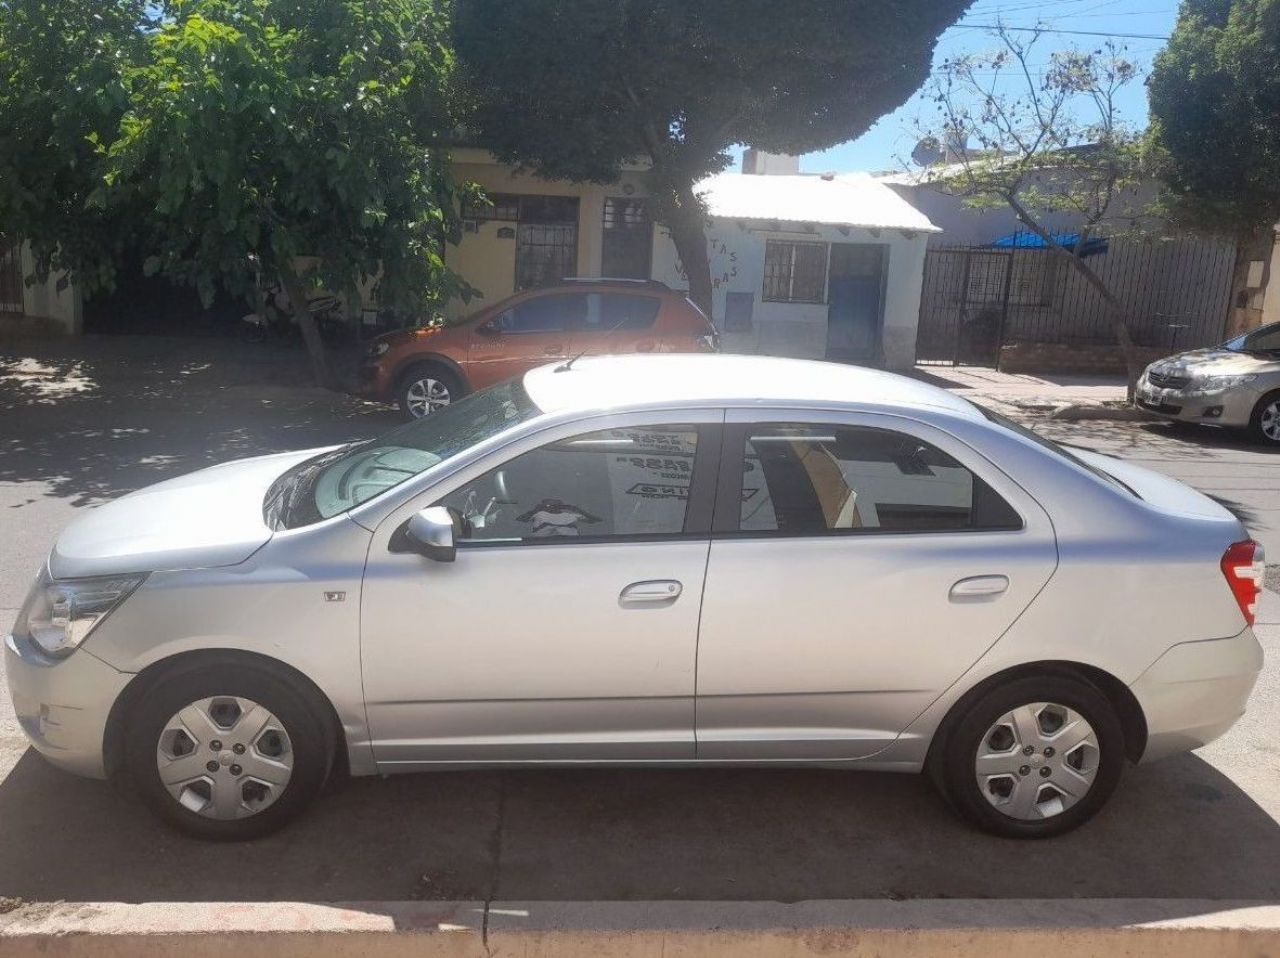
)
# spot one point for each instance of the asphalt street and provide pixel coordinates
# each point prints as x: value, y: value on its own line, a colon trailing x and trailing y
x: 75, y: 432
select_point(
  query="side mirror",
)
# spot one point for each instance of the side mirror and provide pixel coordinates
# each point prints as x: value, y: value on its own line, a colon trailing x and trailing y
x: 434, y: 532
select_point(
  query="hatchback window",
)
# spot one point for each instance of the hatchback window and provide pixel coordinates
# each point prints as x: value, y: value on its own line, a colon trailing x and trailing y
x: 543, y: 314
x: 807, y: 479
x: 622, y: 311
x: 611, y: 483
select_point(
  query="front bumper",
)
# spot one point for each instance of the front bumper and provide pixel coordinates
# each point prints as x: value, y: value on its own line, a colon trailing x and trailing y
x: 1233, y: 407
x: 62, y: 704
x: 1196, y: 691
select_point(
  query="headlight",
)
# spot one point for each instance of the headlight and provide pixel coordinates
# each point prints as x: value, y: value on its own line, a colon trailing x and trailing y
x: 1217, y: 384
x: 59, y: 614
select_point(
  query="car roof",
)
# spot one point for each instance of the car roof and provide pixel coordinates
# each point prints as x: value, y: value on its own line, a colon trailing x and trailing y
x: 727, y: 380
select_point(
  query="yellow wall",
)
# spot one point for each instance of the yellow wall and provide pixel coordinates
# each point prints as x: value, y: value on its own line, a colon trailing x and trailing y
x: 489, y: 263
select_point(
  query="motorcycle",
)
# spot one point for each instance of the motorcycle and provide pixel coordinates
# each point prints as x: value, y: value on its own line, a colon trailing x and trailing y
x: 276, y: 318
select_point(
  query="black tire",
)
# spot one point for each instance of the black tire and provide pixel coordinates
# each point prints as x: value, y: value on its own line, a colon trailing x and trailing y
x: 307, y: 723
x: 1256, y: 425
x: 419, y: 372
x: 953, y: 766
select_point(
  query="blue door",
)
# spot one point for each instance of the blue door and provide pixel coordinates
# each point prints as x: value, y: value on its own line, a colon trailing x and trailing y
x: 854, y: 302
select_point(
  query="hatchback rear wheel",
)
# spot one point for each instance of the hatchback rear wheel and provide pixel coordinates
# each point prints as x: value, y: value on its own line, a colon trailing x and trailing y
x: 1034, y: 758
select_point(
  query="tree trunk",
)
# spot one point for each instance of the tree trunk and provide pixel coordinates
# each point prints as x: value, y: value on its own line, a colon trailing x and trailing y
x: 687, y: 223
x: 307, y: 324
x: 1116, y: 313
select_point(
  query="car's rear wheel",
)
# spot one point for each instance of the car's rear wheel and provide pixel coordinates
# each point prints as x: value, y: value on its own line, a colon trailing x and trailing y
x: 1033, y: 758
x: 427, y: 388
x: 227, y: 752
x: 1265, y: 422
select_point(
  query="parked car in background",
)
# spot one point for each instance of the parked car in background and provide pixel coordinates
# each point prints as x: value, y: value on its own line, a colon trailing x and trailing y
x: 646, y: 560
x: 1235, y: 384
x: 426, y: 369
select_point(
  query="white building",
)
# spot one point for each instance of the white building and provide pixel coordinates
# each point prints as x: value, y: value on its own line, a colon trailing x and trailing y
x: 810, y: 266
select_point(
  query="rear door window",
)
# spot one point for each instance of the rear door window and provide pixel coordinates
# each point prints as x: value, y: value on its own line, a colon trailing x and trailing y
x: 619, y: 311
x: 813, y: 479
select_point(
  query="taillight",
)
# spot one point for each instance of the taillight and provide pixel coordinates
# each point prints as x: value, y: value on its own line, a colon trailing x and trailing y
x: 1244, y: 564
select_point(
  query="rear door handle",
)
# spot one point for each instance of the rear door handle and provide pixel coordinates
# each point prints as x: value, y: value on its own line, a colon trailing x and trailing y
x: 980, y: 587
x: 650, y: 593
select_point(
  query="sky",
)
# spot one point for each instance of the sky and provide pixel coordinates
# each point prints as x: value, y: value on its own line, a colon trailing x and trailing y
x: 893, y: 137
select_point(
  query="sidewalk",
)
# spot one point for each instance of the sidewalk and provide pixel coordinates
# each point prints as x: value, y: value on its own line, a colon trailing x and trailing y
x: 1020, y: 392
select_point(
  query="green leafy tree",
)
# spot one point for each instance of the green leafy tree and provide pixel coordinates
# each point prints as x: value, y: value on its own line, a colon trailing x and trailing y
x: 246, y: 138
x: 1215, y: 112
x: 576, y: 88
x: 1049, y: 144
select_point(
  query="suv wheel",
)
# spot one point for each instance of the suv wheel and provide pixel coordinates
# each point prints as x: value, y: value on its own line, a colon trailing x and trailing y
x: 425, y: 389
x: 1265, y: 422
x: 1033, y: 758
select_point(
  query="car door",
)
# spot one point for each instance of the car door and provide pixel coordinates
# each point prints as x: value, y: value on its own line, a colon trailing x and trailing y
x: 530, y: 332
x: 566, y: 629
x: 617, y: 323
x: 859, y: 565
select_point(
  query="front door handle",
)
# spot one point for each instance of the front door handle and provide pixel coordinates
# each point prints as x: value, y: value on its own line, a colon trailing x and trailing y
x: 979, y: 587
x: 650, y: 593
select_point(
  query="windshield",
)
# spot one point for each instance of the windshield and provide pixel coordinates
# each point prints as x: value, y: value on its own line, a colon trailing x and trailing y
x: 1264, y: 339
x: 341, y: 479
x: 1054, y: 447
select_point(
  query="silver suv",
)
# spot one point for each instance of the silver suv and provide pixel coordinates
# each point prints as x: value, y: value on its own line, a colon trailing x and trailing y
x: 1235, y: 384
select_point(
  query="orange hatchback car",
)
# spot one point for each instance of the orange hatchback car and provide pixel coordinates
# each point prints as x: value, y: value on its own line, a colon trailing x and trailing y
x: 429, y: 367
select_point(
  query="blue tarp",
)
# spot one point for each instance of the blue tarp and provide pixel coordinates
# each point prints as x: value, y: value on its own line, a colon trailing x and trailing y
x: 1025, y: 240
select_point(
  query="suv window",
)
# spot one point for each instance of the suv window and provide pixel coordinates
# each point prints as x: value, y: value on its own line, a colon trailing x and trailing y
x: 543, y: 314
x: 623, y: 311
x: 808, y: 479
x: 615, y: 482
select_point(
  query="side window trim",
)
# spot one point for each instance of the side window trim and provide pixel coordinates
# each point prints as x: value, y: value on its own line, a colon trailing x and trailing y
x: 728, y: 505
x: 698, y: 516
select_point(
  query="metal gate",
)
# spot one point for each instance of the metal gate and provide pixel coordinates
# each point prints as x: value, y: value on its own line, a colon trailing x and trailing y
x: 963, y: 306
x: 10, y: 277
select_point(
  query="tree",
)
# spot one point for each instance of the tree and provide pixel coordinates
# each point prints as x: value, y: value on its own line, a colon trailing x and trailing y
x: 574, y: 89
x: 249, y: 137
x: 1046, y: 144
x: 1215, y: 109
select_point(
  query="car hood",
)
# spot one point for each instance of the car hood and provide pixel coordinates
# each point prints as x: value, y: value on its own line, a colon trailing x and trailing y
x: 208, y: 518
x: 1214, y: 362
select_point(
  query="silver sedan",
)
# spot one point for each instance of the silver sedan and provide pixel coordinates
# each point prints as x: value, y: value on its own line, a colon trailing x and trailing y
x: 684, y: 560
x: 1235, y: 384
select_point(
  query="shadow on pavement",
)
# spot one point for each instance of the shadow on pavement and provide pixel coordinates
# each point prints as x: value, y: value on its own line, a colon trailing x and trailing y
x: 1177, y: 829
x: 100, y: 416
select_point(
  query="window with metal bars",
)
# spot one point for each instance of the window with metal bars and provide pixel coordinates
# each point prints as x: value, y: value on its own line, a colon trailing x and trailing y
x: 628, y: 238
x: 795, y: 272
x: 10, y: 277
x: 495, y: 206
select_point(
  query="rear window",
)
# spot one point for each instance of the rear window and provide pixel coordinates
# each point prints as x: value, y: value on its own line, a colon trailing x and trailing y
x: 1056, y: 448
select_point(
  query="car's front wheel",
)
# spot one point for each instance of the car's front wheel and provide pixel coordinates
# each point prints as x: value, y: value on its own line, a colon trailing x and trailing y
x: 1265, y: 423
x: 427, y: 388
x: 227, y: 752
x: 1033, y: 758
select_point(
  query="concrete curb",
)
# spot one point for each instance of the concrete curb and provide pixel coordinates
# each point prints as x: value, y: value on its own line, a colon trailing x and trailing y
x: 1134, y: 928
x: 1080, y: 411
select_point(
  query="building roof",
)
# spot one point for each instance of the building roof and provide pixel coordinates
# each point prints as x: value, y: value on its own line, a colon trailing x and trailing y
x: 690, y: 379
x: 849, y: 199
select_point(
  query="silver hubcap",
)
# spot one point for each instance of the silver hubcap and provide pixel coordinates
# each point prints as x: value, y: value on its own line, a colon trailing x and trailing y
x: 1037, y: 761
x: 425, y: 396
x: 224, y: 757
x: 1270, y: 421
